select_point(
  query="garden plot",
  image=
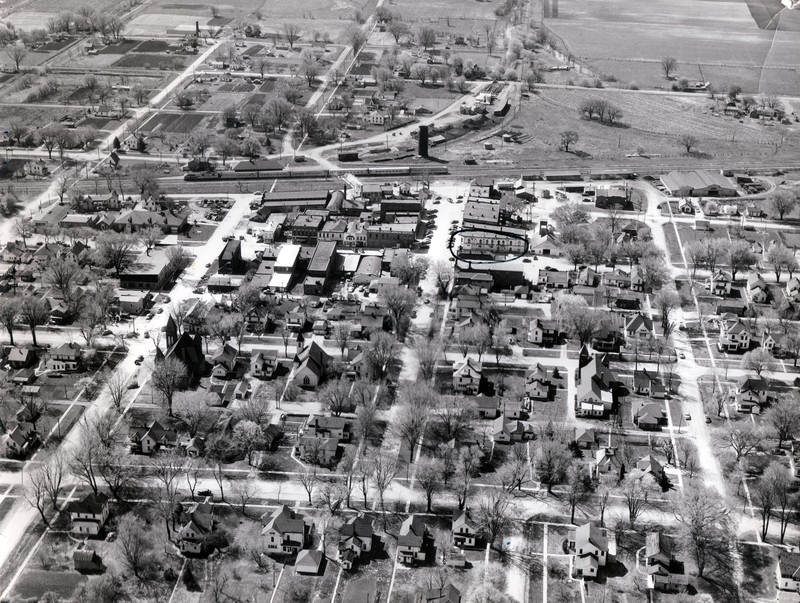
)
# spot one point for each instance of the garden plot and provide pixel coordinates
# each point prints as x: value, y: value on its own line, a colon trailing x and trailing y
x: 173, y: 122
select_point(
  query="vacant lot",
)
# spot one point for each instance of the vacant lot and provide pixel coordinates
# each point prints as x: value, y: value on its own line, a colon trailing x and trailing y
x: 701, y: 34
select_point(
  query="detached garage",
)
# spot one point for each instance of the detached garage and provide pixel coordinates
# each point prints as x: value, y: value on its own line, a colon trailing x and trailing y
x: 698, y: 183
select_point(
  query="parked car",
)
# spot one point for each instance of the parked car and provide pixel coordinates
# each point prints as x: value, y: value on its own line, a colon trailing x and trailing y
x: 205, y: 493
x: 139, y: 360
x: 687, y: 416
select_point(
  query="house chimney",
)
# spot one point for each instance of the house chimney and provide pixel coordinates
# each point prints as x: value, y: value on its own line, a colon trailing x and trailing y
x: 197, y: 29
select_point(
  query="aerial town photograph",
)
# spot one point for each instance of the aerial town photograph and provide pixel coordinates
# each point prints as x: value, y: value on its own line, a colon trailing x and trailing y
x: 399, y: 301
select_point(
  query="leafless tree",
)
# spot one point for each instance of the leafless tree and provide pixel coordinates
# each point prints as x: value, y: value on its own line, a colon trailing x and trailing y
x: 16, y: 52
x: 243, y: 492
x: 115, y: 250
x: 9, y: 314
x: 668, y: 65
x: 635, y: 494
x: 742, y: 438
x: 134, y: 543
x: 34, y: 313
x: 706, y: 524
x: 292, y: 33
x: 429, y: 478
x: 309, y: 479
x: 165, y: 470
x: 782, y: 202
x: 168, y: 377
x: 688, y: 142
x: 385, y: 470
x: 382, y: 352
x: 495, y: 514
x: 758, y: 361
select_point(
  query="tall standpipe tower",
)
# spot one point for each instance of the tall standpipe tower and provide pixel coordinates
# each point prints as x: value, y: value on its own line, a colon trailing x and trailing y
x: 423, y: 141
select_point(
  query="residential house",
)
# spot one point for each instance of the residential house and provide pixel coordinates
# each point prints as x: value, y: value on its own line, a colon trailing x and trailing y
x: 197, y: 528
x: 506, y: 432
x: 617, y: 278
x: 649, y: 415
x: 639, y: 327
x: 540, y: 381
x: 355, y: 541
x: 322, y: 427
x: 412, y: 542
x: 447, y: 594
x: 608, y: 460
x: 664, y: 572
x: 651, y: 466
x: 793, y: 289
x: 788, y: 572
x: 757, y: 289
x: 285, y: 531
x: 543, y: 332
x: 553, y: 278
x: 734, y: 335
x: 20, y: 439
x: 752, y: 393
x: 225, y: 363
x: 64, y: 358
x: 592, y: 549
x: 317, y: 451
x: 596, y: 387
x: 467, y: 377
x: 720, y: 283
x: 310, y: 366
x: 88, y: 515
x: 646, y: 383
x: 151, y: 438
x: 264, y: 364
x: 465, y: 530
x: 20, y: 358
x: 637, y: 282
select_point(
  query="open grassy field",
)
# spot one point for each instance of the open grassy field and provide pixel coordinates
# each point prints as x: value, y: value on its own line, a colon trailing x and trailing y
x: 708, y: 34
x: 650, y: 122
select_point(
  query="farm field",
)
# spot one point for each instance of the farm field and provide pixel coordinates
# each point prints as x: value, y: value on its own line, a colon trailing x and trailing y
x: 708, y: 34
x: 650, y: 122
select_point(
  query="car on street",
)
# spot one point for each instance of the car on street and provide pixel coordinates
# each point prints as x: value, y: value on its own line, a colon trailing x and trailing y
x: 687, y: 416
x: 159, y: 311
x: 205, y: 493
x: 708, y: 419
x: 208, y: 265
x: 106, y: 333
x: 526, y: 261
x: 682, y: 356
x: 139, y: 360
x: 437, y: 202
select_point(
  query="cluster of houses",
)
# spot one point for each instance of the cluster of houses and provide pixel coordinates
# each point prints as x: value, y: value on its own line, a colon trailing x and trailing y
x: 113, y: 212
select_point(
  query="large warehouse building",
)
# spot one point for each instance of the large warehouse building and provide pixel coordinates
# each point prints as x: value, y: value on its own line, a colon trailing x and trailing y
x: 698, y: 183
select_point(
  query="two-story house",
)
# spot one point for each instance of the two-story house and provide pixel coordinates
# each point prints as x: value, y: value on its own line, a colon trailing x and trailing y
x: 88, y: 515
x: 465, y: 530
x: 752, y: 393
x: 793, y: 289
x: 592, y: 549
x: 413, y: 540
x: 64, y: 358
x: 318, y: 426
x: 355, y: 541
x: 467, y: 377
x: 734, y: 335
x: 21, y: 439
x: 665, y: 573
x: 757, y: 289
x: 720, y: 283
x: 639, y: 326
x: 647, y: 383
x: 540, y: 381
x: 225, y: 363
x: 264, y: 363
x: 788, y: 572
x: 151, y: 438
x: 284, y: 531
x: 196, y: 529
x: 608, y: 460
x: 543, y: 332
